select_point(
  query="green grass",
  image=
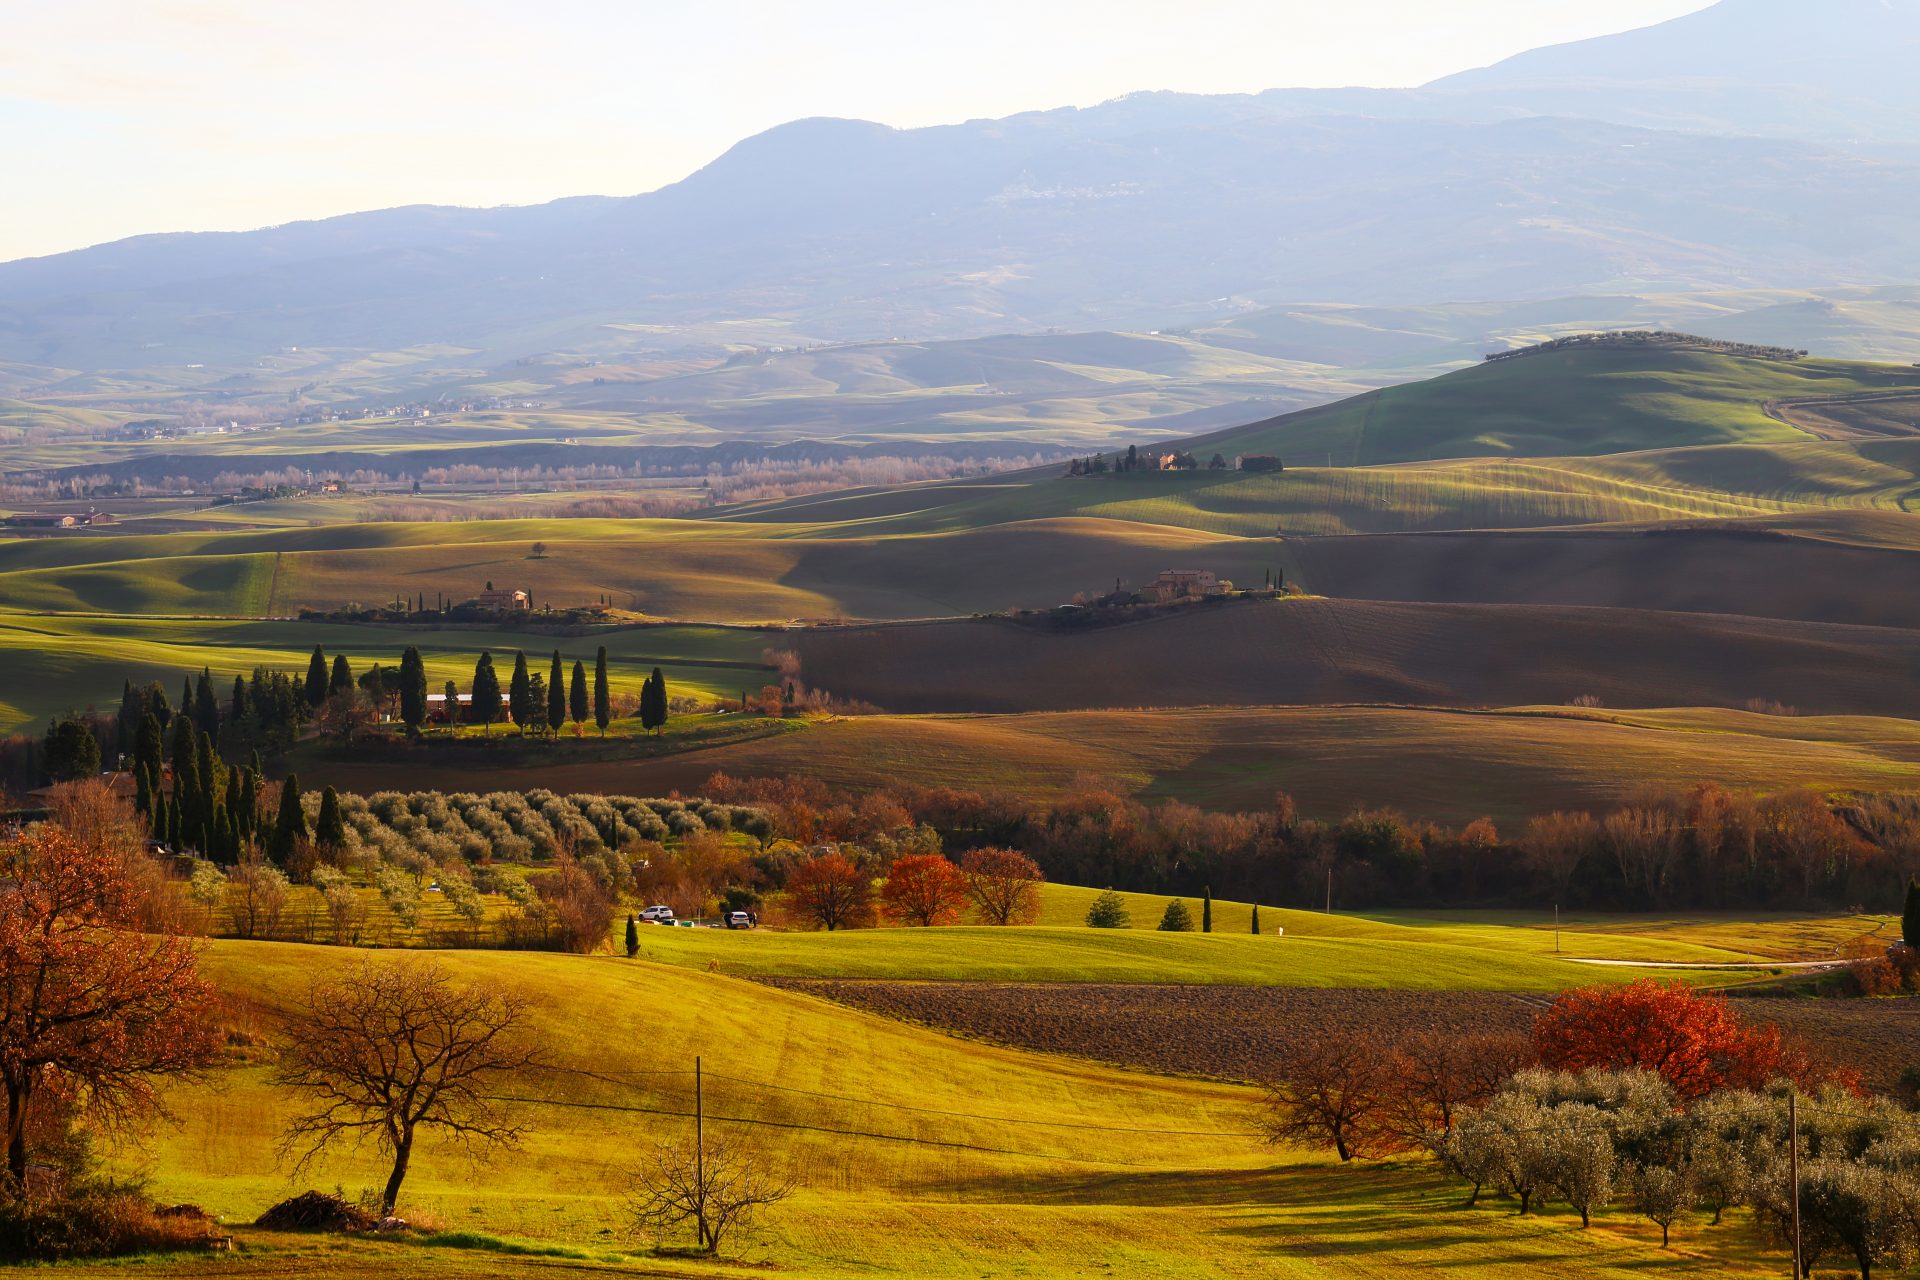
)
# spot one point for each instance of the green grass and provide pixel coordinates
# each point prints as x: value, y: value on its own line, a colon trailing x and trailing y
x: 916, y: 1153
x: 1579, y: 401
x: 59, y: 663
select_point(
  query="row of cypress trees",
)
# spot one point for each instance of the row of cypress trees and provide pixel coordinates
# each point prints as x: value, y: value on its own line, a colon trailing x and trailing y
x: 542, y: 703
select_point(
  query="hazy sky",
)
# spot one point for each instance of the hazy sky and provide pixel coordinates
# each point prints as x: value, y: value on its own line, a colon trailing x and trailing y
x: 125, y: 116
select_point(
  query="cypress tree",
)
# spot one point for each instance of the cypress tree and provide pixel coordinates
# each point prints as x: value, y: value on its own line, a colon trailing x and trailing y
x: 602, y: 700
x: 520, y: 693
x: 206, y: 707
x: 1256, y: 919
x: 186, y: 697
x: 316, y: 687
x: 1910, y: 916
x: 1206, y: 909
x: 653, y: 702
x: 131, y: 709
x: 451, y: 695
x: 413, y: 689
x: 247, y: 812
x: 329, y: 827
x: 486, y: 692
x: 142, y: 788
x: 291, y: 825
x: 633, y: 937
x: 577, y: 693
x: 342, y: 680
x: 157, y: 817
x: 172, y: 836
x: 238, y: 712
x: 207, y: 764
x: 556, y: 694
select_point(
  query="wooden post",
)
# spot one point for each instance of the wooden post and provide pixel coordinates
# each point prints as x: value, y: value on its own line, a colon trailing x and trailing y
x: 1793, y: 1172
x: 700, y: 1153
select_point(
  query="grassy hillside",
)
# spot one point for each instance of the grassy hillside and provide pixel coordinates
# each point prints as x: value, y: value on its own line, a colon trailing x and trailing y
x: 1440, y: 764
x: 917, y: 1153
x: 56, y: 664
x: 1574, y: 402
x: 1321, y: 651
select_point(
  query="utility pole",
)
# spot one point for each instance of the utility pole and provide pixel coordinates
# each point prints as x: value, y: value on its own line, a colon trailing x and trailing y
x: 700, y: 1156
x: 1556, y: 928
x: 1329, y: 890
x: 1793, y: 1171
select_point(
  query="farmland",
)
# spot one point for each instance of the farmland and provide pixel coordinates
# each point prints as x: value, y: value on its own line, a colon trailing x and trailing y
x: 1443, y: 764
x: 917, y: 1152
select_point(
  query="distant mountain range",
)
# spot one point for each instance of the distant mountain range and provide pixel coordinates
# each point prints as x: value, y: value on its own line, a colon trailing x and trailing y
x: 1758, y: 144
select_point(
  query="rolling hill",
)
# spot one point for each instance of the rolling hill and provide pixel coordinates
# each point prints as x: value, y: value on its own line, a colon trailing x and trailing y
x: 1319, y: 651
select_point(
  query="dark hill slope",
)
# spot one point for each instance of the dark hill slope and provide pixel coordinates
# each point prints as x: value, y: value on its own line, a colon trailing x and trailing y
x: 1700, y: 569
x: 1323, y: 651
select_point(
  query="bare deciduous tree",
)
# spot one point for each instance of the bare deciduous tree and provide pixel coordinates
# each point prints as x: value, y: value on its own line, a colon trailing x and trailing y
x: 390, y: 1049
x: 720, y: 1189
x: 256, y: 895
x: 1333, y: 1093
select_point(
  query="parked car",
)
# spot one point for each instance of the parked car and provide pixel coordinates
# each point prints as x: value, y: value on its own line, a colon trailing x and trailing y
x: 738, y: 920
x: 658, y: 914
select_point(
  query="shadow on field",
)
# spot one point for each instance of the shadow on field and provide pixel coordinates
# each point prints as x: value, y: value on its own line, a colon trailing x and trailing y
x: 1323, y: 1210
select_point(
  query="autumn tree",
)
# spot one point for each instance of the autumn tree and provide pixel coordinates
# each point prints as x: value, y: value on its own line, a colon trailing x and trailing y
x: 924, y: 889
x: 1432, y: 1077
x: 1555, y: 844
x: 831, y: 893
x: 1004, y: 885
x: 719, y: 1189
x: 91, y: 1009
x: 388, y: 1050
x: 1333, y: 1093
x: 582, y: 904
x: 1695, y: 1041
x: 256, y: 897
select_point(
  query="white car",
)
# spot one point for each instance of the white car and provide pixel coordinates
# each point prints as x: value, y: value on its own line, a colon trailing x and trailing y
x: 658, y: 914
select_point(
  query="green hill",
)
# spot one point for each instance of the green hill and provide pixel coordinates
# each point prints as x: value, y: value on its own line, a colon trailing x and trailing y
x: 1575, y: 401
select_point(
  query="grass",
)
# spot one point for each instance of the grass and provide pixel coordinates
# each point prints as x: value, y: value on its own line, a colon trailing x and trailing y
x: 1435, y: 763
x: 58, y: 663
x: 917, y: 1153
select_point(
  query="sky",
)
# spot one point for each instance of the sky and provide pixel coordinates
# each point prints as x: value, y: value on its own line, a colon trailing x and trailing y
x: 119, y: 117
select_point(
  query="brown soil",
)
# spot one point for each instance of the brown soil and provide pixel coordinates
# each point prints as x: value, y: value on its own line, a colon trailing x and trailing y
x: 1246, y: 1033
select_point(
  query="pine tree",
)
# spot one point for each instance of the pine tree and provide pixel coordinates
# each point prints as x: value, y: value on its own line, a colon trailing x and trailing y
x: 1910, y: 917
x: 602, y: 699
x: 1206, y: 909
x: 633, y: 937
x: 413, y: 689
x: 1256, y: 920
x: 329, y: 826
x: 290, y: 827
x: 1109, y: 911
x: 342, y: 680
x: 577, y: 693
x: 316, y: 686
x: 1177, y: 918
x: 486, y: 692
x: 556, y: 694
x: 520, y: 693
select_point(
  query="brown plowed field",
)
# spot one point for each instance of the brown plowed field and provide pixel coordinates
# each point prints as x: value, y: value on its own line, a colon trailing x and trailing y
x: 1751, y: 571
x: 1321, y: 651
x: 1245, y: 1033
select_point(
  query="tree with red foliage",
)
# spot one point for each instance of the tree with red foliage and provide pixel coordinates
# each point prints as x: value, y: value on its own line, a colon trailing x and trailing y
x: 1004, y: 885
x: 1696, y: 1042
x: 831, y: 892
x: 924, y: 889
x: 91, y: 1009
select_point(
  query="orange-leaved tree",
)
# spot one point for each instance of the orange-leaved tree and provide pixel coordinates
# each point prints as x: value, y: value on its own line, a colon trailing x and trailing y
x: 1004, y: 885
x: 924, y: 889
x: 91, y: 1009
x: 830, y: 892
x: 1696, y: 1042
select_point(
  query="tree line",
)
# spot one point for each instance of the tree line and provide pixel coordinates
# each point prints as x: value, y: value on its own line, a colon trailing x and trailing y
x: 1662, y: 848
x: 1651, y: 1095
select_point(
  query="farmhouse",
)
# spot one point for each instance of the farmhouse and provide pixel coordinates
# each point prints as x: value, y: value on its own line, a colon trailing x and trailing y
x: 503, y: 601
x: 1181, y: 584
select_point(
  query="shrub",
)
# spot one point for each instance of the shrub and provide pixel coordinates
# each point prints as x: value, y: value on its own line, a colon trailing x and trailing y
x: 1109, y: 911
